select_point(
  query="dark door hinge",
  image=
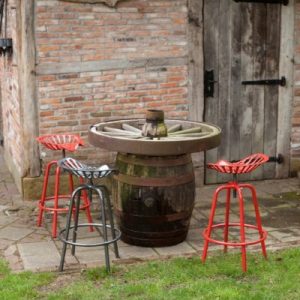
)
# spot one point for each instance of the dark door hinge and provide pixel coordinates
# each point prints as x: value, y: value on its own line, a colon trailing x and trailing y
x: 281, y: 82
x: 283, y: 2
x: 209, y: 83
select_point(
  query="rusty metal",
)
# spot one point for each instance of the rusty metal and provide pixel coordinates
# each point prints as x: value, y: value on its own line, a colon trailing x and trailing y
x: 155, y: 161
x: 157, y: 182
x: 161, y: 239
x: 154, y: 220
x: 155, y: 126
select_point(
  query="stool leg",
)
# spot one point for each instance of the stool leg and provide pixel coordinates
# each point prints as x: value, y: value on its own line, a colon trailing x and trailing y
x: 68, y: 223
x: 111, y: 220
x: 71, y: 184
x: 77, y: 209
x: 44, y: 192
x: 210, y: 221
x: 56, y: 193
x: 103, y: 218
x: 242, y: 227
x: 226, y: 227
x: 257, y: 215
x: 87, y: 202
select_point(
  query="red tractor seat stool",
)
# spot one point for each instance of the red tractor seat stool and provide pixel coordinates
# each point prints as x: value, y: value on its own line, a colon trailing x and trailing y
x: 61, y: 142
x: 245, y: 165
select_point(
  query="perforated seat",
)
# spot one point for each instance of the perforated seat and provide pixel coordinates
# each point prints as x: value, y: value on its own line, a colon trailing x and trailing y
x: 68, y: 142
x: 82, y: 170
x: 246, y: 165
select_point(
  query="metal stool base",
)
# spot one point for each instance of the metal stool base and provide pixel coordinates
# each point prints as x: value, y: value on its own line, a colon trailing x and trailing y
x: 237, y: 189
x: 56, y: 197
x: 103, y: 196
x: 66, y: 198
x: 117, y: 235
x: 233, y: 244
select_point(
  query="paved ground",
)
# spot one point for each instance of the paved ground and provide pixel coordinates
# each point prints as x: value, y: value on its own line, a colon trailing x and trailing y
x: 28, y: 247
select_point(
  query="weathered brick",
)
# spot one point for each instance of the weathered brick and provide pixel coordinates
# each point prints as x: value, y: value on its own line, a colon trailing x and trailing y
x: 74, y: 98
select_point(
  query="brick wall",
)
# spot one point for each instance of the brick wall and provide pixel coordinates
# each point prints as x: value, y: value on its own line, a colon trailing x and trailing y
x: 70, y: 34
x: 73, y: 32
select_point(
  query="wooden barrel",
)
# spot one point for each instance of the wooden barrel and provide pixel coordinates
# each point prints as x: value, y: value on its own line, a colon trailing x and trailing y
x: 154, y: 198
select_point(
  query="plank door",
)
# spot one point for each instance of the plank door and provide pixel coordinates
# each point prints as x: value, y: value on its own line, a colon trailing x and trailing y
x: 242, y: 43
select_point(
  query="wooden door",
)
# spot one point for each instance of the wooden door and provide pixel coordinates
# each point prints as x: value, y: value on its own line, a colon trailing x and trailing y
x: 242, y: 43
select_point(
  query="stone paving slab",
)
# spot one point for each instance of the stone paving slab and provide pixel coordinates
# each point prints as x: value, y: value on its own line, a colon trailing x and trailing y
x: 39, y: 256
x: 14, y: 233
x: 183, y: 247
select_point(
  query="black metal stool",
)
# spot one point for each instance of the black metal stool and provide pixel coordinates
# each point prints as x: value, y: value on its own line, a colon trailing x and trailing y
x: 89, y: 172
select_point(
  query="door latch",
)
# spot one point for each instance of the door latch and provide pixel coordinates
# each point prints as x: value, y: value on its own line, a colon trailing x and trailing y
x: 209, y: 82
x: 277, y: 159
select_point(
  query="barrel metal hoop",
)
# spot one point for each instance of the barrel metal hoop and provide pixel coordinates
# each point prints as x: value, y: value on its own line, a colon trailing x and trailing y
x: 158, y: 181
x: 152, y: 235
x: 160, y: 161
x: 163, y: 241
x: 155, y: 219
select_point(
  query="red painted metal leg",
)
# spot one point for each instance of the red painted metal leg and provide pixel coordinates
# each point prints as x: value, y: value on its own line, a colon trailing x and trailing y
x: 257, y: 215
x: 242, y: 228
x: 227, y: 218
x: 211, y: 220
x: 43, y: 197
x: 44, y: 193
x: 55, y: 206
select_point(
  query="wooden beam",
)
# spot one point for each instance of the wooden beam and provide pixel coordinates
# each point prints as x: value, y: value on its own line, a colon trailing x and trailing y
x: 110, y: 3
x: 286, y: 68
x: 196, y: 61
x: 27, y: 82
x: 102, y: 65
x: 195, y: 70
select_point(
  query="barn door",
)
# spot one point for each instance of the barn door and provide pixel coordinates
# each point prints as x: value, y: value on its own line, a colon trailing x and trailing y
x: 242, y: 45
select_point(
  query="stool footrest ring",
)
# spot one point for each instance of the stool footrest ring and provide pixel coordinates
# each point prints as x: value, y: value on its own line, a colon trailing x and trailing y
x: 59, y: 209
x: 234, y: 244
x: 117, y: 232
